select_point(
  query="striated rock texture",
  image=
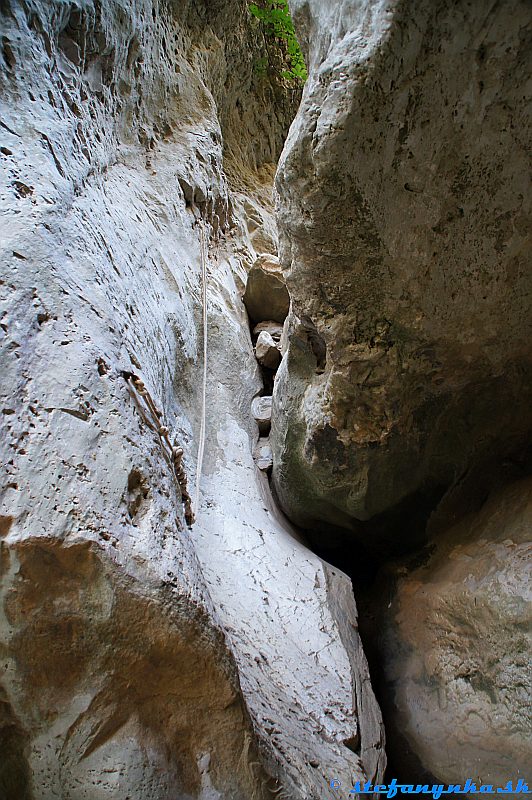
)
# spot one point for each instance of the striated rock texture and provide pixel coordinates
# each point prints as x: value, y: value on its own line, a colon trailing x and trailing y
x: 141, y: 659
x: 404, y: 210
x: 455, y: 647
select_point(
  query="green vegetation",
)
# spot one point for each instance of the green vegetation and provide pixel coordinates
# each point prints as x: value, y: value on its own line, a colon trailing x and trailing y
x: 277, y: 21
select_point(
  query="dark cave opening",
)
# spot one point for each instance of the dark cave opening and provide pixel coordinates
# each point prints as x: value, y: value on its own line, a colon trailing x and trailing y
x: 373, y: 588
x: 368, y: 559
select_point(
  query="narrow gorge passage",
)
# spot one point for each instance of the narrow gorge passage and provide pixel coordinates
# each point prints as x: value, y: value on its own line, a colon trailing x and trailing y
x: 260, y: 572
x: 375, y: 555
x: 265, y: 342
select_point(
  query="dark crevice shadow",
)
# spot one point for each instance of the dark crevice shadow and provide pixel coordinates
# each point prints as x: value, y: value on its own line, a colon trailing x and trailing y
x: 406, y: 537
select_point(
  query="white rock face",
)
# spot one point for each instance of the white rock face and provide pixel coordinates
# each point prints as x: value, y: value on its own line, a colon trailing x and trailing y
x: 142, y: 659
x: 320, y: 684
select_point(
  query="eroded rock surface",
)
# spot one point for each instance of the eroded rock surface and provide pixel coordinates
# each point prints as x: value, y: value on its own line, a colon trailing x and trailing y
x: 455, y: 645
x: 142, y: 659
x: 403, y: 216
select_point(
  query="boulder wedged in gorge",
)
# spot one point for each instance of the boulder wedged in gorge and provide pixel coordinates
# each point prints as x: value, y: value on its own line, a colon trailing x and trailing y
x: 275, y: 329
x: 403, y: 217
x: 143, y: 659
x: 261, y: 410
x: 266, y: 297
x: 454, y: 644
x: 266, y: 351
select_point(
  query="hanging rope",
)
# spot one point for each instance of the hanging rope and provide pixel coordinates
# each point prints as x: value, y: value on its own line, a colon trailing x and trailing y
x: 201, y: 446
x: 175, y: 456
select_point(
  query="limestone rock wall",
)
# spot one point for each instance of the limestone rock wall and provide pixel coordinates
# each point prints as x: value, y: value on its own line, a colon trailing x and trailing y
x: 404, y: 393
x: 142, y: 659
x: 403, y: 213
x: 455, y: 642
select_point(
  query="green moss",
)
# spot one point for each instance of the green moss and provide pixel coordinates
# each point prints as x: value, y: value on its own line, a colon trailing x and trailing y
x: 278, y: 24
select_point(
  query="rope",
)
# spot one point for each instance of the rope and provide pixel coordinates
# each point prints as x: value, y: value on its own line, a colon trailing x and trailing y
x: 201, y: 446
x: 176, y: 453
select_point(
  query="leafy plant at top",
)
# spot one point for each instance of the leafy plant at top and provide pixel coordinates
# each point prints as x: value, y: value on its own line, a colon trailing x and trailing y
x: 276, y: 18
